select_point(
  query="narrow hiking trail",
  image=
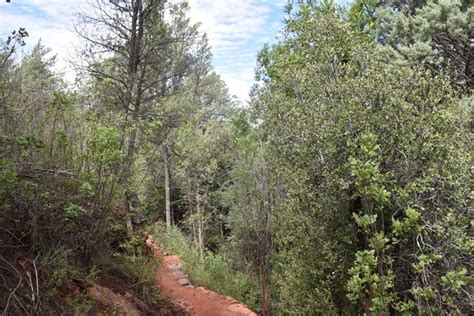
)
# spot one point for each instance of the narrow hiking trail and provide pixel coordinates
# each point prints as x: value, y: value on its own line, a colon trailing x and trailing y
x: 198, y: 301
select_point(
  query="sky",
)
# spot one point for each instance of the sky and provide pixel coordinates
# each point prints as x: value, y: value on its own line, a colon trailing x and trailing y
x: 237, y: 30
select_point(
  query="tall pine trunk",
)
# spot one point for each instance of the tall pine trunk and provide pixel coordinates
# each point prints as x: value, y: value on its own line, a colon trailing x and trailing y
x: 125, y: 181
x: 167, y: 186
x: 200, y: 226
x: 135, y: 43
x: 264, y: 297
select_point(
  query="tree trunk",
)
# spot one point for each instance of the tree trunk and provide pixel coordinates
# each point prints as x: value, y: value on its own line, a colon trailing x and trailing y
x: 136, y: 35
x: 167, y: 186
x: 125, y: 181
x: 128, y: 215
x: 200, y: 227
x: 264, y: 293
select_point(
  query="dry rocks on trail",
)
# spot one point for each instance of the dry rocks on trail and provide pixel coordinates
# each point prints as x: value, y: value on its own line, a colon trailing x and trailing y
x: 173, y: 281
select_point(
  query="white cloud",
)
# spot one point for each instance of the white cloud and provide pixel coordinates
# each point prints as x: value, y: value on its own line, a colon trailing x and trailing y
x: 48, y: 20
x: 236, y: 30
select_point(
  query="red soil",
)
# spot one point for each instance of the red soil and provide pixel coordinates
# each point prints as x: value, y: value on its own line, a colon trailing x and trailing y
x: 196, y: 301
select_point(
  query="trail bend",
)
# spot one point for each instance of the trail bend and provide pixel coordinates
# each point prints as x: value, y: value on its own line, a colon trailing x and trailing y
x: 198, y: 301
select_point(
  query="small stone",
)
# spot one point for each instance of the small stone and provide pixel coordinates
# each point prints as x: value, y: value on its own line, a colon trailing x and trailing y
x: 173, y: 267
x: 179, y: 274
x: 184, y: 282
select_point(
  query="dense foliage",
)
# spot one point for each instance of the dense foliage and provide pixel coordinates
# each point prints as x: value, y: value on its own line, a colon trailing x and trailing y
x: 370, y: 171
x: 343, y: 187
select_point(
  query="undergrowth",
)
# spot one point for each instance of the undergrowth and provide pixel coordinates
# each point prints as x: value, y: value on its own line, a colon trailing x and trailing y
x: 140, y: 268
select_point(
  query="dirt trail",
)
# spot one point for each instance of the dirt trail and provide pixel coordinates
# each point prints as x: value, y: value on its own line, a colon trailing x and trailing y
x: 195, y: 300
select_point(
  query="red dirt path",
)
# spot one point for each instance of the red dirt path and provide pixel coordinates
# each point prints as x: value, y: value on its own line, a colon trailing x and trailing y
x: 197, y: 301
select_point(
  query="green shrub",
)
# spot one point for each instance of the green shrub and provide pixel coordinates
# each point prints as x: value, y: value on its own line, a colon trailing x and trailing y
x: 138, y: 269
